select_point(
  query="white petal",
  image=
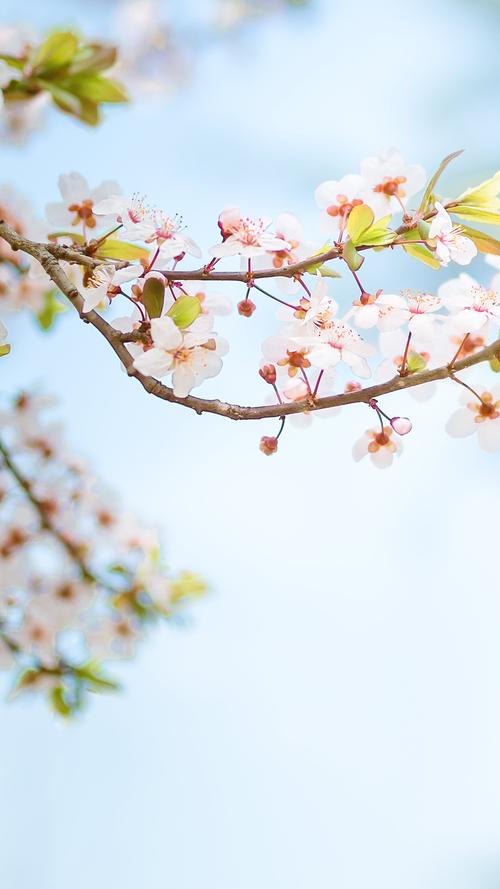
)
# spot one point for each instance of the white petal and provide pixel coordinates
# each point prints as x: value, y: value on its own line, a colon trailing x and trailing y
x: 154, y: 362
x: 488, y: 435
x: 166, y: 335
x: 461, y: 423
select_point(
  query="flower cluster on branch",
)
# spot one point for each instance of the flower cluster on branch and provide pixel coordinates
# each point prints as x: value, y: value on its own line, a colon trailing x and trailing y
x: 82, y: 581
x: 107, y: 247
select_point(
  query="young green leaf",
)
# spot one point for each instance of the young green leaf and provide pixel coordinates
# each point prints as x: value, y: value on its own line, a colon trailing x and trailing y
x: 359, y: 220
x: 153, y: 296
x: 51, y: 308
x: 56, y: 52
x: 95, y: 88
x: 486, y: 195
x: 428, y: 193
x: 114, y: 249
x: 484, y: 243
x: 353, y: 259
x: 184, y: 311
x: 476, y: 214
x: 419, y: 251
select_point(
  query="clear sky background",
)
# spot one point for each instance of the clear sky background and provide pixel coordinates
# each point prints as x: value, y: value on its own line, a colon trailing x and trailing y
x: 330, y: 716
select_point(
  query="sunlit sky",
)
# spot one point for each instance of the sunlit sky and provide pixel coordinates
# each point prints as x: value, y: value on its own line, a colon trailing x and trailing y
x: 329, y: 716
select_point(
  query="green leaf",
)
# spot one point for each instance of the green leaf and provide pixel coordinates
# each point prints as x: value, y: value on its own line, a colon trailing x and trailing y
x: 114, y: 249
x: 56, y: 52
x: 64, y: 100
x: 326, y: 272
x: 92, y: 674
x: 153, y: 296
x: 359, y: 220
x: 95, y: 88
x: 89, y: 112
x: 187, y: 585
x: 484, y: 243
x: 415, y: 363
x: 59, y: 701
x: 495, y: 365
x: 428, y: 193
x: 476, y: 214
x: 353, y: 259
x: 94, y: 57
x: 12, y: 61
x: 484, y: 195
x: 419, y: 251
x: 78, y: 239
x: 316, y: 266
x: 184, y: 311
x: 4, y: 349
x: 51, y: 308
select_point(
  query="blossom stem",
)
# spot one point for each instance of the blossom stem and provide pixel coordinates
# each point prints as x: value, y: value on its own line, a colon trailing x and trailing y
x: 403, y: 370
x: 278, y: 396
x: 457, y: 353
x: 466, y: 386
x: 151, y: 264
x: 374, y: 404
x: 358, y: 282
x: 283, y: 421
x: 306, y: 381
x: 97, y: 244
x: 135, y: 302
x: 318, y: 381
x: 304, y: 285
x: 270, y: 295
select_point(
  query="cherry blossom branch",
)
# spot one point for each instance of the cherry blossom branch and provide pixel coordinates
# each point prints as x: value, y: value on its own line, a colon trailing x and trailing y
x: 49, y: 257
x: 43, y: 513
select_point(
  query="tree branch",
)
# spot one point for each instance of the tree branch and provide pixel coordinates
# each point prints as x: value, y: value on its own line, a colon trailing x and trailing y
x: 46, y: 256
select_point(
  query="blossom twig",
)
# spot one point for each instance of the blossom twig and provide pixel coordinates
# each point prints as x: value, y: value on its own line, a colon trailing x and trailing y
x: 50, y: 257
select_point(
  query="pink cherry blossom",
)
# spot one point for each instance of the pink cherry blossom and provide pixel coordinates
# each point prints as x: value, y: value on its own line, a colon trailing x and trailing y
x: 248, y: 237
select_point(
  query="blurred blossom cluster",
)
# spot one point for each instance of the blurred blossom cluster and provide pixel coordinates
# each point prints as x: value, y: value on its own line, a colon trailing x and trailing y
x: 82, y: 579
x: 153, y: 55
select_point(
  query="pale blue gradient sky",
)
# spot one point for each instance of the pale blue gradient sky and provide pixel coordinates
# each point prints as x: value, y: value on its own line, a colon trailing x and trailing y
x: 331, y: 716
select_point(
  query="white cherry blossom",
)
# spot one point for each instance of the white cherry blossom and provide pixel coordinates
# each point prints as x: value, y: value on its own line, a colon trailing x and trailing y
x: 390, y: 181
x: 337, y: 197
x: 417, y: 310
x: 79, y: 202
x: 482, y: 417
x: 380, y: 445
x: 472, y: 307
x: 450, y: 242
x: 191, y: 356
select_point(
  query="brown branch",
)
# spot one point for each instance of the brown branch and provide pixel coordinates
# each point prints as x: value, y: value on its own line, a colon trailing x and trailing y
x: 214, y: 406
x: 45, y: 522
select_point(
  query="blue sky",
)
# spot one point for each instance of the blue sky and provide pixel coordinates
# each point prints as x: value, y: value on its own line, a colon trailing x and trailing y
x: 330, y: 717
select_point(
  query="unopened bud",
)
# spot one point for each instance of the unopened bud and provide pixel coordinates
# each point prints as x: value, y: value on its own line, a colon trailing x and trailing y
x: 268, y: 373
x: 352, y: 386
x: 268, y: 445
x: 401, y: 425
x: 246, y: 308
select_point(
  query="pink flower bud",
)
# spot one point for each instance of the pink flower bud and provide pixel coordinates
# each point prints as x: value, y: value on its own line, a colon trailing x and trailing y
x: 401, y: 425
x: 352, y: 386
x: 268, y: 373
x: 246, y: 308
x: 268, y: 445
